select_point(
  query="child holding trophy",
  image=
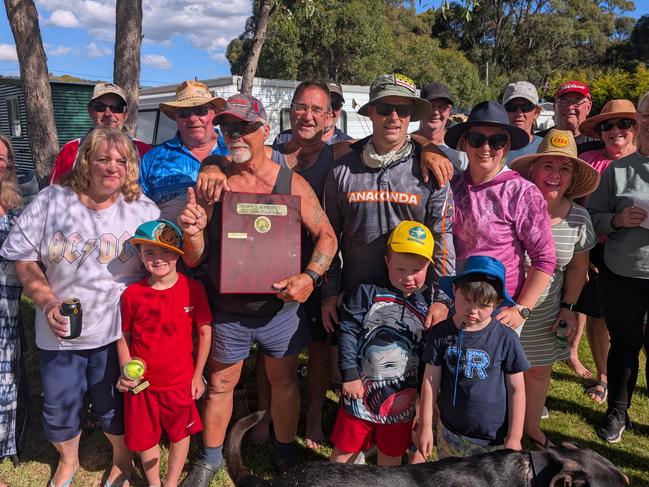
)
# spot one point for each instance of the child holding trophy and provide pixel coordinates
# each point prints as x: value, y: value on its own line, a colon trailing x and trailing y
x: 160, y: 378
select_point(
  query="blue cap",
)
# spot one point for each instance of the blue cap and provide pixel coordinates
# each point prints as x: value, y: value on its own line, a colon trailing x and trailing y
x: 160, y: 233
x: 479, y: 264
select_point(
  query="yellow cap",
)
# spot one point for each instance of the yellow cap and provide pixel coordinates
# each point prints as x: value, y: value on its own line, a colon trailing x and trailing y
x: 411, y: 237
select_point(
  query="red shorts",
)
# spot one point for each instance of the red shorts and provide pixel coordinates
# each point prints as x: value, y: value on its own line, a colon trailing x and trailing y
x: 352, y: 435
x: 146, y: 414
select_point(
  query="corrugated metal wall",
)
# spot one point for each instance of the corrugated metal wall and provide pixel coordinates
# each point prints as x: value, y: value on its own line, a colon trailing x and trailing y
x: 70, y: 115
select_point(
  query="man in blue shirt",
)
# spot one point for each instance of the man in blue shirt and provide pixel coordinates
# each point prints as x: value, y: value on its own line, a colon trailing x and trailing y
x: 171, y: 167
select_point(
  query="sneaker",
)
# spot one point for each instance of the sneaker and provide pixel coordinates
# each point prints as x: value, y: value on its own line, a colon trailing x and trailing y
x: 545, y: 414
x: 612, y: 426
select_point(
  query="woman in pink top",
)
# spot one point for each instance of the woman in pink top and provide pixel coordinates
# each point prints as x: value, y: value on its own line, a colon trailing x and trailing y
x: 616, y: 126
x: 498, y: 212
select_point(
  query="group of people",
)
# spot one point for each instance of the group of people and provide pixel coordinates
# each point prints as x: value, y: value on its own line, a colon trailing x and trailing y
x: 453, y: 265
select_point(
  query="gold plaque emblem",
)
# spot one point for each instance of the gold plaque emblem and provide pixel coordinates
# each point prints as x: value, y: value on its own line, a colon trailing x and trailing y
x: 262, y: 224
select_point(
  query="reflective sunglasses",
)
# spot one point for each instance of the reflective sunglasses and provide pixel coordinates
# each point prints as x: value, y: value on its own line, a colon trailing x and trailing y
x: 385, y: 109
x: 199, y: 111
x: 238, y: 129
x: 100, y: 107
x: 477, y: 140
x: 622, y: 124
x: 523, y: 107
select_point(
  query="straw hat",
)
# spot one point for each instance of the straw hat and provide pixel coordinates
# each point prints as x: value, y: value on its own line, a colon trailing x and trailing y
x: 191, y: 94
x: 612, y: 109
x: 561, y: 143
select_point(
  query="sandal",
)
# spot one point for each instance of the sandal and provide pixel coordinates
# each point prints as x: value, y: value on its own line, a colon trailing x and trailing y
x: 598, y: 396
x: 67, y: 483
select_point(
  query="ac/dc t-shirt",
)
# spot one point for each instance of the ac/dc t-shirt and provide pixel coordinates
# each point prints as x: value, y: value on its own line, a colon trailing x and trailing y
x: 482, y: 359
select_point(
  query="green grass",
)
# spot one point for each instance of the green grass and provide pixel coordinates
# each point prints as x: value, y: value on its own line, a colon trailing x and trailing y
x: 572, y: 418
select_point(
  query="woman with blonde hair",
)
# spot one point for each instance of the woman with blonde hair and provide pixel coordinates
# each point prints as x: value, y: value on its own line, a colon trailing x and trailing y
x: 618, y: 210
x: 71, y: 242
x: 10, y: 289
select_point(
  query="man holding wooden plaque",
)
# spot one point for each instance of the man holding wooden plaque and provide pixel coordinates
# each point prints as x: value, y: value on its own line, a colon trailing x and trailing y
x: 251, y: 235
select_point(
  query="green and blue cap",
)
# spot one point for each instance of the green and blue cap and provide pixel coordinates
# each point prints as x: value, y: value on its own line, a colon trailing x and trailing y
x: 159, y: 233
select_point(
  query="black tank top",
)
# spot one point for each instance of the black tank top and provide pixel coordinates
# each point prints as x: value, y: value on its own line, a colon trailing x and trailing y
x: 244, y: 304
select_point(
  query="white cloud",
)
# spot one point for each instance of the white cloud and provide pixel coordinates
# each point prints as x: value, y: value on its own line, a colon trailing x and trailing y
x: 59, y: 50
x: 63, y: 18
x: 8, y: 52
x: 157, y: 61
x: 94, y: 50
x: 207, y: 24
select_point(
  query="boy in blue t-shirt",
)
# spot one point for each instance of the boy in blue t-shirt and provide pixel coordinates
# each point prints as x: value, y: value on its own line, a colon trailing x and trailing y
x: 476, y: 363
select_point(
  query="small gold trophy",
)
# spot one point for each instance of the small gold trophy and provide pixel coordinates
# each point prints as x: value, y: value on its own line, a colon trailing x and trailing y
x: 134, y: 369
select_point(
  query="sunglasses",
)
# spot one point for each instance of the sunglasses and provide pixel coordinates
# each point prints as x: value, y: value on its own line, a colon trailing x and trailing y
x: 336, y: 105
x: 239, y: 128
x: 477, y: 140
x: 100, y: 107
x: 523, y: 107
x: 622, y: 124
x: 385, y: 109
x: 199, y: 111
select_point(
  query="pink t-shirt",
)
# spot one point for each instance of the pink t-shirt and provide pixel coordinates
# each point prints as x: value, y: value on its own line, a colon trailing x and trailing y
x: 504, y: 218
x: 596, y: 158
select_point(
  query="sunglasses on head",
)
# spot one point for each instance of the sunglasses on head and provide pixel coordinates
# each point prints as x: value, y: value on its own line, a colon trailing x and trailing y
x: 523, y: 107
x: 239, y: 128
x: 477, y: 140
x: 100, y: 107
x: 199, y: 111
x: 385, y: 109
x: 622, y: 124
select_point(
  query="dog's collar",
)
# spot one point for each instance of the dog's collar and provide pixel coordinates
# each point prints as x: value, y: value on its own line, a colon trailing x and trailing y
x: 541, y: 473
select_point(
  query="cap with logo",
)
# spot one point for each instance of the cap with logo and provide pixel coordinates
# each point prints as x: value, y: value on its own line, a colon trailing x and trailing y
x: 433, y: 91
x: 102, y: 89
x: 410, y: 237
x: 159, y: 233
x: 572, y: 86
x: 397, y: 85
x: 490, y: 267
x: 561, y: 144
x: 521, y: 89
x: 244, y: 107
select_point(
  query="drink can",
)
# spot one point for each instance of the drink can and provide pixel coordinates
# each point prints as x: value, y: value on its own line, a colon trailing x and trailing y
x: 71, y: 310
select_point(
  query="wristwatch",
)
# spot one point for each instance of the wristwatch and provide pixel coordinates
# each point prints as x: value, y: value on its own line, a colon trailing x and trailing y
x: 317, y: 278
x: 568, y: 306
x: 523, y: 311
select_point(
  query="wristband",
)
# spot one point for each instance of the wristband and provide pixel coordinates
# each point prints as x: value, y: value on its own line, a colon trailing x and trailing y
x: 568, y: 306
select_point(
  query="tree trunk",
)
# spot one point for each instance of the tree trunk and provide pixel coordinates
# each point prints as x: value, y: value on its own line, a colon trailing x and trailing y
x: 126, y: 66
x: 41, y: 127
x: 266, y: 8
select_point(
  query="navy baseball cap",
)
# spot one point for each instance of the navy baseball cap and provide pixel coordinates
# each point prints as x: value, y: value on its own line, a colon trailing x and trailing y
x: 479, y: 264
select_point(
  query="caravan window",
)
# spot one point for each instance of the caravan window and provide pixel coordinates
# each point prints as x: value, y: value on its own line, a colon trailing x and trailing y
x: 285, y: 122
x: 13, y: 110
x: 166, y: 128
x: 146, y: 125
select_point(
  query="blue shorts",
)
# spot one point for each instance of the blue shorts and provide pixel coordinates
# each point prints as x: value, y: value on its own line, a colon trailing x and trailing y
x: 280, y: 335
x: 66, y: 375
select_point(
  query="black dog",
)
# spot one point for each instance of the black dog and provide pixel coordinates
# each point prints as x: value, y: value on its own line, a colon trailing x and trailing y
x: 568, y: 466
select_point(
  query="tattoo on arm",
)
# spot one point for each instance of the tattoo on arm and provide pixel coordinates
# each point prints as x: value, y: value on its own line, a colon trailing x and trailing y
x: 317, y: 213
x: 321, y: 260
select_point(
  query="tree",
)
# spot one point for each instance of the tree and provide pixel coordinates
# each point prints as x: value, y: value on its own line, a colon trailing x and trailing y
x: 126, y: 64
x: 41, y: 127
x: 266, y: 9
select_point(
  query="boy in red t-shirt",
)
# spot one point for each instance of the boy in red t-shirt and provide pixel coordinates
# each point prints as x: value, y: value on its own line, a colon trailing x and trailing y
x: 158, y: 317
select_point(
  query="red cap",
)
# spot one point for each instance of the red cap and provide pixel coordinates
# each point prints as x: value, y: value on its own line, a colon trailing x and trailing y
x: 573, y: 86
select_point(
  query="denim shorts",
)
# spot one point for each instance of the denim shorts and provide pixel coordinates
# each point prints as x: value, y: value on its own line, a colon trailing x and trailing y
x: 280, y: 335
x: 66, y: 375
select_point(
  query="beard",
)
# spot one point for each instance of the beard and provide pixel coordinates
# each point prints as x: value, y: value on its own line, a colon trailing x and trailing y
x: 240, y: 155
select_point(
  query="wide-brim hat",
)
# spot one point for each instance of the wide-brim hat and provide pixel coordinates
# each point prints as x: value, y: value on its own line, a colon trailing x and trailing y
x: 397, y: 85
x: 159, y: 233
x: 488, y: 114
x: 480, y: 264
x: 561, y: 143
x: 612, y: 109
x: 191, y: 93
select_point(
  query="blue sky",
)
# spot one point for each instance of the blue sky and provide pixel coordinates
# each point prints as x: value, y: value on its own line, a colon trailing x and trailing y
x: 182, y: 38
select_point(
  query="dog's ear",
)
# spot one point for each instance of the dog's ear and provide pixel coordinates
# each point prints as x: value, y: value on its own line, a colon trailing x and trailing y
x: 571, y: 475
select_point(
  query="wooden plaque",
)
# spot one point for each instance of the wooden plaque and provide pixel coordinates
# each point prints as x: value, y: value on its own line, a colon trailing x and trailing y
x: 260, y: 241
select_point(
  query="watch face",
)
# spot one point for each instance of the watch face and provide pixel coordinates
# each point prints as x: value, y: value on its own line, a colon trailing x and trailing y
x: 525, y: 312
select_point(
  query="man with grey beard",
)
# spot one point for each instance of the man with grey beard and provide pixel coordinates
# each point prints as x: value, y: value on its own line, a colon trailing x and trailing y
x: 271, y: 320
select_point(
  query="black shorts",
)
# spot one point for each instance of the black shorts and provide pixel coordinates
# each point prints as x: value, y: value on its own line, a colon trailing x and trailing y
x: 590, y: 302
